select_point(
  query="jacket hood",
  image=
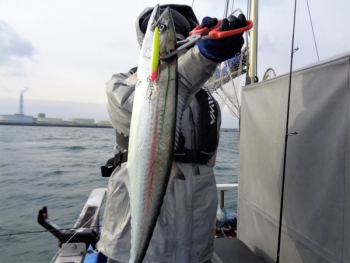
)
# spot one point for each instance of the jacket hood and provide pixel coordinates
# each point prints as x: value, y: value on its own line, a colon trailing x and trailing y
x: 184, y: 10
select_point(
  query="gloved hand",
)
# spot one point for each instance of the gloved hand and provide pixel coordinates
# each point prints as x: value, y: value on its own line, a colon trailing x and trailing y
x: 219, y: 50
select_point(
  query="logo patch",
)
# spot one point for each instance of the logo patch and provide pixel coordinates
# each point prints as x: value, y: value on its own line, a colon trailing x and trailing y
x: 211, y: 106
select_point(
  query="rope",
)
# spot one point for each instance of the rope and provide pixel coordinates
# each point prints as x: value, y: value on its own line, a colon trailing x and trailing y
x: 286, y: 141
x: 312, y: 27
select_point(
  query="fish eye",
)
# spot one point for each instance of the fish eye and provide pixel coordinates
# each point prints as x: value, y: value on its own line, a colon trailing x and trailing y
x: 162, y: 27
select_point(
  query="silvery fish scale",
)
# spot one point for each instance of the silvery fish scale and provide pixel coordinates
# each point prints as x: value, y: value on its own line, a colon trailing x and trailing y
x: 152, y: 134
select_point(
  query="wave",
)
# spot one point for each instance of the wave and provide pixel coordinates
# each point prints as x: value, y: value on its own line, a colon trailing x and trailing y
x: 74, y: 148
x: 51, y: 173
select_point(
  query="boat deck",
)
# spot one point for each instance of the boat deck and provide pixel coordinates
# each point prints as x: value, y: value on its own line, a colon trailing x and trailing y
x: 227, y: 250
x: 233, y: 250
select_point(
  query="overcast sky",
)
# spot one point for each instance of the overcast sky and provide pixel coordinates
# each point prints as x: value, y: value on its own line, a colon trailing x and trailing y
x: 67, y: 50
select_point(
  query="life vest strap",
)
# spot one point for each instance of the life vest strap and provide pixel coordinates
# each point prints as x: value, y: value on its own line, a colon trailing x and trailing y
x: 192, y: 156
x: 112, y: 163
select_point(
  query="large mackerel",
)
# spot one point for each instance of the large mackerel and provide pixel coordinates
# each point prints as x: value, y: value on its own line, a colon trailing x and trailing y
x: 152, y: 133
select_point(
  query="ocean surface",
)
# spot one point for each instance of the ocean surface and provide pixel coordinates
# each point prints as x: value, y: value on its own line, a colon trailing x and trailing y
x: 58, y: 168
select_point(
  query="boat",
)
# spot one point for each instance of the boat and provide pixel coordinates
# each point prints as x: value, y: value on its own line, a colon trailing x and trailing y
x: 293, y: 202
x: 78, y: 244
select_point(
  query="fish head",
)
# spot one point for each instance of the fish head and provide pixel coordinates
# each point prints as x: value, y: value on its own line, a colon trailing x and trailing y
x: 167, y: 34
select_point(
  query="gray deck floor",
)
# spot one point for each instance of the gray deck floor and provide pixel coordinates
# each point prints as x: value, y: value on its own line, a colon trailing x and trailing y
x: 233, y: 250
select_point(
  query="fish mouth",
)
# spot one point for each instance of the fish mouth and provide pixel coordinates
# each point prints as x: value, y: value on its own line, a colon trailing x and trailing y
x: 157, y: 17
x: 154, y: 19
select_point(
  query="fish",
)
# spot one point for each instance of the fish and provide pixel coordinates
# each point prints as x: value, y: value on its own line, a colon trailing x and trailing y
x: 152, y: 130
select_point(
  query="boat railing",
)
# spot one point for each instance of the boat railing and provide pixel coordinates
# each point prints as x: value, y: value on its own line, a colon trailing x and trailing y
x: 225, y: 187
x: 89, y: 218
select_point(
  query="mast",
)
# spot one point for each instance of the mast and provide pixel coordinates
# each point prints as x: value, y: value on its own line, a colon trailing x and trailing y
x: 253, y: 45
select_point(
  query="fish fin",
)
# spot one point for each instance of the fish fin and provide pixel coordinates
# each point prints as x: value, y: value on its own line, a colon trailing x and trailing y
x: 176, y: 173
x: 131, y: 80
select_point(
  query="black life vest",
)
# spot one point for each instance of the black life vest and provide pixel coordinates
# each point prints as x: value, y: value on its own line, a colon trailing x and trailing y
x: 206, y: 132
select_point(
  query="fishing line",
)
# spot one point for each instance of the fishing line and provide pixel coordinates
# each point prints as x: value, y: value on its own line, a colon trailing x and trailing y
x: 312, y: 27
x: 286, y: 140
x: 63, y: 245
x: 41, y: 231
x: 248, y: 8
x: 105, y: 203
x: 226, y: 8
x: 233, y: 1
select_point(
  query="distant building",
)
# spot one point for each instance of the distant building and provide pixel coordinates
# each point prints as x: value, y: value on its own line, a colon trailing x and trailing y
x: 43, y: 120
x: 17, y: 118
x: 78, y: 121
x: 104, y: 123
x: 20, y: 118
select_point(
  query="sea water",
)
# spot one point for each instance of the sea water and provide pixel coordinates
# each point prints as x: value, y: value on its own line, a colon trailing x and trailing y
x: 58, y: 167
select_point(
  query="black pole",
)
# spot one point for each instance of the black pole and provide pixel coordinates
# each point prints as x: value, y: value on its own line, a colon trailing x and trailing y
x: 286, y: 141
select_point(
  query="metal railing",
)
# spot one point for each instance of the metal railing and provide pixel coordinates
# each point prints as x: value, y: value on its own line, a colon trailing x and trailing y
x: 225, y: 187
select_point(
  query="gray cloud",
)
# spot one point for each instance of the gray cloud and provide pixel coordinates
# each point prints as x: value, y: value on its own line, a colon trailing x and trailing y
x: 14, y: 73
x: 13, y: 47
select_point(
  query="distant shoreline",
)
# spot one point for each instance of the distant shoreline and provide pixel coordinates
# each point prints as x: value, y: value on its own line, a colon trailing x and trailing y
x: 53, y: 125
x: 229, y: 130
x: 83, y: 126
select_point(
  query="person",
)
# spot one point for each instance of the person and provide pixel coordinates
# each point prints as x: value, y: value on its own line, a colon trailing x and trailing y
x: 185, y: 229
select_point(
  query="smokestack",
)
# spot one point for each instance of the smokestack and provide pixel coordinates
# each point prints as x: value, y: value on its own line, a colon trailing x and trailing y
x: 21, y: 104
x: 21, y: 101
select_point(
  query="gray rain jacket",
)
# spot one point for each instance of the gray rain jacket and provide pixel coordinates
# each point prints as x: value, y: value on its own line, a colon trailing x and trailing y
x: 186, y: 225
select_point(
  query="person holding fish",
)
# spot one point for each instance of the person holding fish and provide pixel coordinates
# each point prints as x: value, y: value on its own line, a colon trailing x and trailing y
x: 184, y: 225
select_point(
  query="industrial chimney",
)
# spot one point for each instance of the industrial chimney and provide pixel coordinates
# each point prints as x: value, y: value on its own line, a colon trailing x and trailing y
x: 21, y: 102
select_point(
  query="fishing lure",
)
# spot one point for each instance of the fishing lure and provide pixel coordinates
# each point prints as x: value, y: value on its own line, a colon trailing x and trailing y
x: 155, y: 55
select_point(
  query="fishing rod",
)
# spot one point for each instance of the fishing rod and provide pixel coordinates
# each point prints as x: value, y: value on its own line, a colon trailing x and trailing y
x: 41, y: 231
x: 98, y: 210
x: 286, y: 140
x: 74, y: 234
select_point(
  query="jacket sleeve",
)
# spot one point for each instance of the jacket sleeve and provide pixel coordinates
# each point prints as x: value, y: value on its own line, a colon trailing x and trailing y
x: 194, y: 70
x: 120, y: 98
